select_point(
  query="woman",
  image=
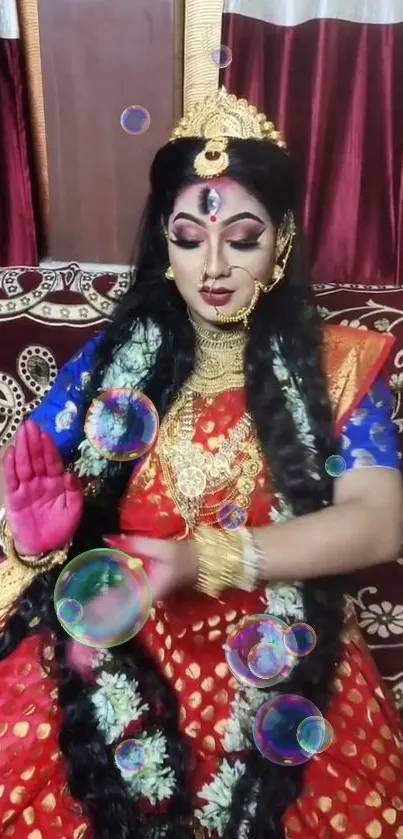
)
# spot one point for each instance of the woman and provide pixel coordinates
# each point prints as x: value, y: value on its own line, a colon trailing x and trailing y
x: 219, y: 330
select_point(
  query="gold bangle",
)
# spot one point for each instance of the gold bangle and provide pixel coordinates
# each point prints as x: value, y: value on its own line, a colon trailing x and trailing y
x: 220, y: 558
x: 41, y: 563
x: 17, y: 573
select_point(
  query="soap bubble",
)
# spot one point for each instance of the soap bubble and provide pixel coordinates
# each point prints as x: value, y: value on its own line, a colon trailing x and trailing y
x: 335, y: 465
x: 122, y: 424
x: 112, y: 592
x: 300, y: 639
x: 276, y: 726
x: 69, y: 611
x: 231, y: 517
x: 135, y: 119
x: 222, y: 56
x: 315, y: 735
x: 129, y: 756
x: 255, y: 651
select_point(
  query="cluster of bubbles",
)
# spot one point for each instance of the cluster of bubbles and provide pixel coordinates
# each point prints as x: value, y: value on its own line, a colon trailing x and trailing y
x: 135, y: 119
x: 335, y: 465
x: 261, y: 652
x: 103, y: 597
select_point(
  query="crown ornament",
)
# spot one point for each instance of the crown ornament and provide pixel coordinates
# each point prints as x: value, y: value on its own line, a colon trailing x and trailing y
x: 217, y: 119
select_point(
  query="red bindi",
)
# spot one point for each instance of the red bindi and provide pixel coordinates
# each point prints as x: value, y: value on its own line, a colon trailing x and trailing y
x: 213, y: 218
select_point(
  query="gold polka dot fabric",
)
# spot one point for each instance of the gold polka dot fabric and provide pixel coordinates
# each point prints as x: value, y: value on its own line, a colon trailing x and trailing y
x: 355, y: 788
x: 34, y: 798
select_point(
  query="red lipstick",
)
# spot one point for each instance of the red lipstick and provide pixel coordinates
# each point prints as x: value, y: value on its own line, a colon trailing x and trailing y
x: 216, y: 296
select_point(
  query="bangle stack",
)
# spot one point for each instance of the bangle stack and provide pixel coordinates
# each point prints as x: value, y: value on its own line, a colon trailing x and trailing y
x: 18, y: 572
x: 226, y: 560
x: 41, y: 562
x: 253, y: 558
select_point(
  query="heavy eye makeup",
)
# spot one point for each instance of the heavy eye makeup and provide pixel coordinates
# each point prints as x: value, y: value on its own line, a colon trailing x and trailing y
x: 186, y: 237
x: 245, y: 238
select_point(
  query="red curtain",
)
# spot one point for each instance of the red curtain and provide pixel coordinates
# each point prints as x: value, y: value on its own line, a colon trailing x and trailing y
x: 333, y: 87
x: 18, y: 244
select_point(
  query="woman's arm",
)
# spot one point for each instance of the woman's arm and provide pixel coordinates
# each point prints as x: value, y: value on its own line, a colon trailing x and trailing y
x: 365, y: 525
x: 363, y: 528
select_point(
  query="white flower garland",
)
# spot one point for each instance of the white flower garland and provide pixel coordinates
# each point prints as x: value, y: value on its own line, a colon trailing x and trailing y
x: 155, y: 781
x: 128, y: 369
x: 117, y: 703
x: 218, y: 794
x: 116, y: 700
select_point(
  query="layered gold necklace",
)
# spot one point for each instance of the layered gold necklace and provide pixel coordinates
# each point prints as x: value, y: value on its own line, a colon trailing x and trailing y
x: 219, y: 361
x: 190, y: 472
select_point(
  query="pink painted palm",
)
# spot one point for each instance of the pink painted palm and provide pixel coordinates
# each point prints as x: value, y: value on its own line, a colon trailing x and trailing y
x: 44, y: 503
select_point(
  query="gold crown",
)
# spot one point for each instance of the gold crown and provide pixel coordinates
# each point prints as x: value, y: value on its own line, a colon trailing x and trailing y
x: 222, y: 115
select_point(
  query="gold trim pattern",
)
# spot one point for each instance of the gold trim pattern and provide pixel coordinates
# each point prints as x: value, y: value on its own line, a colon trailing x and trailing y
x: 203, y: 23
x: 30, y: 39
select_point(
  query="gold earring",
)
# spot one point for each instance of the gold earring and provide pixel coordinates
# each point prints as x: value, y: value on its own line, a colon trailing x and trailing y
x: 169, y: 274
x: 285, y: 238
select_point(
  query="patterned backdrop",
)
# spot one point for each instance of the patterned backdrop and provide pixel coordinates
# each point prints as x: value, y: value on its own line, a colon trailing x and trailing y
x: 46, y: 316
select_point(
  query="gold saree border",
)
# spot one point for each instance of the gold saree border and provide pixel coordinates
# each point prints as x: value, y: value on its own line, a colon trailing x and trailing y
x: 203, y: 23
x: 30, y: 40
x: 353, y: 359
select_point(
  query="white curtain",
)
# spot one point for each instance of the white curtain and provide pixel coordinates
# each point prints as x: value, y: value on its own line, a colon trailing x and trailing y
x: 8, y: 19
x: 294, y: 12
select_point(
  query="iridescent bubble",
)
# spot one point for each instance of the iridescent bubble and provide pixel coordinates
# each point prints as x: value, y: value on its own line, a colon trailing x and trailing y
x: 129, y: 756
x: 264, y: 660
x: 135, y: 119
x: 231, y: 517
x: 114, y: 595
x: 69, y: 611
x: 276, y: 726
x: 122, y: 424
x: 222, y: 56
x: 315, y: 735
x: 255, y: 651
x: 335, y: 465
x: 300, y: 639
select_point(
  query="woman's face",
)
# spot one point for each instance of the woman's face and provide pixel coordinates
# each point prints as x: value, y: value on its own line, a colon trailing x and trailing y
x: 216, y: 255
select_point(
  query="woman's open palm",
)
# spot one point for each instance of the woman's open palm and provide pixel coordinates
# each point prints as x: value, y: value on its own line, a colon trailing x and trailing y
x: 44, y: 503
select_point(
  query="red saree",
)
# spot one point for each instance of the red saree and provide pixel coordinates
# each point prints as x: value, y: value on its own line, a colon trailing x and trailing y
x: 355, y: 788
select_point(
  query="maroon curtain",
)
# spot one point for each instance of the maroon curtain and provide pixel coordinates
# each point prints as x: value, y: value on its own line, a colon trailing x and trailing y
x: 18, y: 245
x: 334, y: 89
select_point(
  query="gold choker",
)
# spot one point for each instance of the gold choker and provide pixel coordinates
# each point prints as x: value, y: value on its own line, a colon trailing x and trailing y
x: 220, y: 361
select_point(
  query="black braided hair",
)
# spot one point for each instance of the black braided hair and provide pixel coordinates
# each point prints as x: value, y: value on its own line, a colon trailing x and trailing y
x: 289, y: 316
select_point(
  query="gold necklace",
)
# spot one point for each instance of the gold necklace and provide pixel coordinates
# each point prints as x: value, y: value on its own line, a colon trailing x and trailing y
x: 219, y: 362
x: 189, y: 471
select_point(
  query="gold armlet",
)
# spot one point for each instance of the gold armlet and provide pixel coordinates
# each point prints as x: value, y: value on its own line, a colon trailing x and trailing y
x: 18, y: 572
x: 220, y: 557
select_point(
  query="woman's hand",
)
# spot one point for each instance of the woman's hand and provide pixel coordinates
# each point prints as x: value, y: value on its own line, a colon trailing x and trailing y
x: 170, y: 565
x: 44, y: 503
